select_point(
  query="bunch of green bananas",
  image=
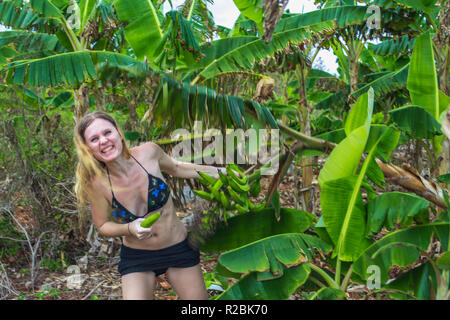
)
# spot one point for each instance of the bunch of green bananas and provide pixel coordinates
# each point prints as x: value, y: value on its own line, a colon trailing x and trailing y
x: 230, y: 191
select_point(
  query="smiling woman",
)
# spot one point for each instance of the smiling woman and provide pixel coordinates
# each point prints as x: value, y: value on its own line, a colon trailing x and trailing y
x: 108, y: 171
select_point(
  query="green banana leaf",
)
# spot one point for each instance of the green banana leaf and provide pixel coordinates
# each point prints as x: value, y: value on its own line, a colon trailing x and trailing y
x: 386, y: 83
x: 252, y: 9
x: 268, y: 256
x: 328, y: 293
x: 18, y: 19
x: 46, y: 8
x: 391, y: 208
x: 427, y: 6
x: 422, y: 79
x: 342, y: 16
x: 26, y: 41
x: 443, y: 262
x: 197, y: 102
x: 344, y: 211
x: 360, y: 114
x: 416, y: 121
x: 143, y: 32
x: 70, y: 69
x: 249, y: 288
x: 345, y: 157
x: 417, y: 283
x: 400, y: 248
x: 243, y: 57
x: 389, y: 47
x: 243, y: 229
x: 87, y: 7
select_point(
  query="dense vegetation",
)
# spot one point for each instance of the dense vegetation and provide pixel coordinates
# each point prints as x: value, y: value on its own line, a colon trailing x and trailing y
x: 371, y: 140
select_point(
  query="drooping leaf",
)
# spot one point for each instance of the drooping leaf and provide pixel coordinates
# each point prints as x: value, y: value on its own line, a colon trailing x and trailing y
x: 399, y: 248
x: 276, y: 289
x: 416, y: 121
x: 70, y: 69
x: 400, y: 45
x: 389, y: 209
x: 272, y: 253
x: 26, y: 41
x: 19, y: 19
x: 416, y: 283
x: 243, y: 229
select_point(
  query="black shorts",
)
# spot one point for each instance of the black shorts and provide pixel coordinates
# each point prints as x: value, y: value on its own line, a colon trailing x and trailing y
x: 179, y: 255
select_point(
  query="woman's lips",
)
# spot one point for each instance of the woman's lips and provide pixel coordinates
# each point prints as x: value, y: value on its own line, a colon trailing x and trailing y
x: 107, y: 149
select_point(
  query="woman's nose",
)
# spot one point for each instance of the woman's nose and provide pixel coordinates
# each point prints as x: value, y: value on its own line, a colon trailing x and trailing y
x: 102, y: 139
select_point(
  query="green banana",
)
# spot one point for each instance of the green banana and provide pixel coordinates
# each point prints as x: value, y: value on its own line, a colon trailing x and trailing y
x: 231, y: 173
x: 224, y: 200
x: 223, y: 177
x: 255, y: 188
x: 235, y: 196
x: 259, y: 207
x: 215, y: 189
x: 203, y: 181
x: 241, y: 209
x: 151, y: 219
x: 204, y: 195
x: 256, y: 175
x: 238, y: 187
x: 207, y: 177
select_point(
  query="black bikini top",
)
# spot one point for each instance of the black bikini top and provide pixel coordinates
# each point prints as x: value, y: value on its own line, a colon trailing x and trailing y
x: 158, y: 195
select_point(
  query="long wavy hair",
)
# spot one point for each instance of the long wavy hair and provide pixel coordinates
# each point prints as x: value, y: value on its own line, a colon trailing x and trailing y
x: 88, y: 166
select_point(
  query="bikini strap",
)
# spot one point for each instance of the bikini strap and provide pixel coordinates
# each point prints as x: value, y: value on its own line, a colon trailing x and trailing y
x: 110, y: 184
x: 140, y: 164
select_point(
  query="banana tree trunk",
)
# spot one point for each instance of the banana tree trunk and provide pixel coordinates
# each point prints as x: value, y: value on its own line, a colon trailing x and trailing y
x: 81, y: 101
x: 306, y: 162
x: 353, y: 66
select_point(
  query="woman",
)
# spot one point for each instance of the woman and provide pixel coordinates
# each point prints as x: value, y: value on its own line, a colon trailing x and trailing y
x: 130, y: 182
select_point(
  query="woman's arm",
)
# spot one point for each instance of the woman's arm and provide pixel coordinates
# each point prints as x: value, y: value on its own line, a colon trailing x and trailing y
x: 100, y: 216
x: 182, y: 169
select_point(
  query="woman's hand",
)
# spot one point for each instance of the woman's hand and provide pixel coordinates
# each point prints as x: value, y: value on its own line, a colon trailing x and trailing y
x: 139, y: 232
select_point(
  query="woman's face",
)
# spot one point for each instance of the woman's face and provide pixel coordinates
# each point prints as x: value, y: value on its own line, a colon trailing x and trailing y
x: 104, y: 140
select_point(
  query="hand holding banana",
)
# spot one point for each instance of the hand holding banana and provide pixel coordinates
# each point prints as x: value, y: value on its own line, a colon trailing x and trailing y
x: 230, y: 190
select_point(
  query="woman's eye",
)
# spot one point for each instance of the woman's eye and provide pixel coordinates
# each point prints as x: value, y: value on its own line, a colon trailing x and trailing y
x: 108, y: 132
x: 94, y: 139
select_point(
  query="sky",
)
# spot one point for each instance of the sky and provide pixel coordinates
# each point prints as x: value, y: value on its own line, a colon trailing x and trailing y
x: 225, y: 13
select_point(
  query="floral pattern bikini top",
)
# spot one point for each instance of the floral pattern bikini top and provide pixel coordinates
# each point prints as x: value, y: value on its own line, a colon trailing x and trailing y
x: 158, y: 195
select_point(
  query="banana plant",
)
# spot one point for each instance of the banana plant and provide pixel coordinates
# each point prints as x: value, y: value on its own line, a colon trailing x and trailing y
x: 422, y: 119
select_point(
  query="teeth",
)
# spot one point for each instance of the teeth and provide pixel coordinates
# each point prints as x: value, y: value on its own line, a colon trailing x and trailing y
x: 107, y: 149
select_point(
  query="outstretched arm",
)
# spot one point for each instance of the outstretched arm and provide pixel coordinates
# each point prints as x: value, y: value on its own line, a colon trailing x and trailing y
x: 180, y: 169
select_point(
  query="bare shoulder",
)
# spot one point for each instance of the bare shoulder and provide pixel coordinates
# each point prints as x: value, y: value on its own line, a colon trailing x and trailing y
x: 149, y: 150
x: 98, y: 186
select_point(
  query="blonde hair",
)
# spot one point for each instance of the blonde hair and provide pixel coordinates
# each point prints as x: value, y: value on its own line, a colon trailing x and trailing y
x: 88, y: 166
